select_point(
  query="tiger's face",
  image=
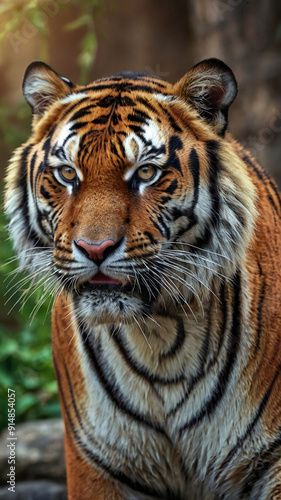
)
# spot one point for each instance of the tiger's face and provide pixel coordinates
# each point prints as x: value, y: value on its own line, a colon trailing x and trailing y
x: 124, y: 201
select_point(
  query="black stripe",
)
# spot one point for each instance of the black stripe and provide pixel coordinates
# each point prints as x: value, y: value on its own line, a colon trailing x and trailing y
x: 78, y: 125
x: 107, y: 101
x: 275, y: 189
x: 177, y: 345
x: 47, y: 151
x: 21, y: 180
x: 263, y: 462
x: 264, y: 177
x: 173, y: 186
x: 166, y: 230
x: 224, y: 376
x: 82, y: 112
x: 136, y: 128
x: 175, y: 144
x: 61, y: 393
x: 71, y: 108
x: 126, y: 101
x: 125, y: 86
x: 63, y: 249
x: 44, y: 193
x: 134, y: 485
x: 164, y: 200
x: 115, y: 100
x: 72, y: 134
x: 148, y: 105
x: 172, y: 121
x: 142, y: 371
x: 73, y: 401
x: 150, y: 237
x: 138, y: 116
x: 78, y: 416
x: 202, y: 372
x: 83, y: 149
x: 31, y: 171
x: 202, y: 241
x: 250, y: 428
x: 116, y: 118
x: 153, y: 150
x: 122, y: 149
x: 223, y: 327
x: 113, y: 149
x: 113, y: 392
x: 101, y: 120
x: 214, y: 167
x: 158, y: 227
x: 59, y: 152
x: 21, y: 184
x: 194, y: 167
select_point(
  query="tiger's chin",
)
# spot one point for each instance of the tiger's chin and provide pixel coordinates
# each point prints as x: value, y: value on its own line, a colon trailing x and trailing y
x: 107, y: 304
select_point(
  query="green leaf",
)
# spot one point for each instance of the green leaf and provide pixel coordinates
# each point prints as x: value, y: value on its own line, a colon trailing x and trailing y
x: 87, y: 55
x: 25, y: 402
x: 6, y: 379
x: 51, y: 410
x: 7, y: 349
x: 51, y: 387
x: 79, y: 22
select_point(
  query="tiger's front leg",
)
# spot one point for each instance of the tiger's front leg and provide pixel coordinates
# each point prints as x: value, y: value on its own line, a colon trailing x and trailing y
x: 83, y: 481
x: 266, y: 484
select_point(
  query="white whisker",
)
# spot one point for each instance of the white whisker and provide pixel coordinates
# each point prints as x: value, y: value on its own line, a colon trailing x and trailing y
x: 135, y: 319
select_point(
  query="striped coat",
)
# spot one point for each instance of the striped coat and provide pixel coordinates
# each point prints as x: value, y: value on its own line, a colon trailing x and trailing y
x: 160, y: 237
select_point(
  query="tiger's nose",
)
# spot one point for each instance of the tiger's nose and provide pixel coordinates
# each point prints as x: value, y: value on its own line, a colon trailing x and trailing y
x: 97, y: 251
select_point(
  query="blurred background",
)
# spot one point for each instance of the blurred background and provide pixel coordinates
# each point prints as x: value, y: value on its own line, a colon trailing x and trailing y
x: 87, y: 39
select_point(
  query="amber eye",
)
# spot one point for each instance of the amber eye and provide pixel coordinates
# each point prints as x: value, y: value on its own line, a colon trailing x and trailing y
x: 146, y: 173
x: 68, y: 174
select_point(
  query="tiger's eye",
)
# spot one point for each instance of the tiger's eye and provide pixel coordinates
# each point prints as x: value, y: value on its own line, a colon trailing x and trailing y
x: 68, y: 173
x: 146, y: 173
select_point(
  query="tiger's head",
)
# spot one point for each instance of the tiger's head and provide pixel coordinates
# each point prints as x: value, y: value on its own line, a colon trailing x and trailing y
x: 128, y: 195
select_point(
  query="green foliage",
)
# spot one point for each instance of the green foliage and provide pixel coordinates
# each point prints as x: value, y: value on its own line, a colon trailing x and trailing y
x: 25, y: 347
x: 21, y: 20
x: 14, y: 123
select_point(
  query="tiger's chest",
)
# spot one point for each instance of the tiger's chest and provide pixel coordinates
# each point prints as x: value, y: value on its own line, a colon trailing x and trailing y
x: 158, y: 426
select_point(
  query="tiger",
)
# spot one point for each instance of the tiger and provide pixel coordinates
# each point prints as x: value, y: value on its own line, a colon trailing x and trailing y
x: 159, y: 236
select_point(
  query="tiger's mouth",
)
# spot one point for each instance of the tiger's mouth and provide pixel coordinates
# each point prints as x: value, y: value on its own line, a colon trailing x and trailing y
x: 103, y: 279
x: 103, y: 283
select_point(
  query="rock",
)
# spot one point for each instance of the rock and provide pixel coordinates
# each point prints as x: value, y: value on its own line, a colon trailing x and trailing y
x: 39, y: 452
x: 35, y: 490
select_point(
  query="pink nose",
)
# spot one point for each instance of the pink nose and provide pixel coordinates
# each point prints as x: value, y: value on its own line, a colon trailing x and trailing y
x: 96, y: 251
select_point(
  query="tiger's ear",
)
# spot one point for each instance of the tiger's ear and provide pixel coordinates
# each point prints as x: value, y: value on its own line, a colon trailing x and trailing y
x: 42, y: 86
x: 210, y: 87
